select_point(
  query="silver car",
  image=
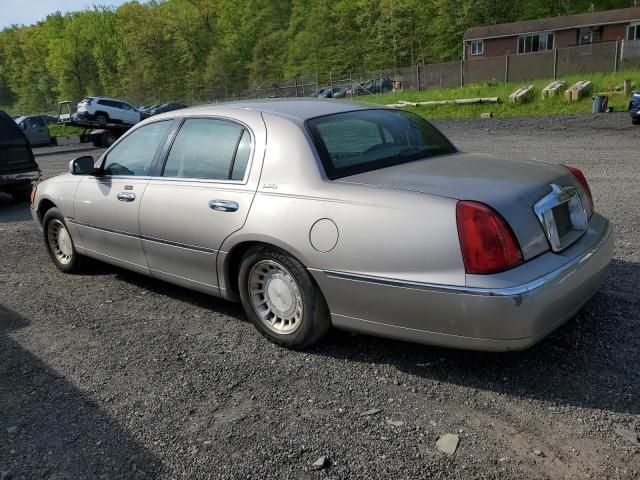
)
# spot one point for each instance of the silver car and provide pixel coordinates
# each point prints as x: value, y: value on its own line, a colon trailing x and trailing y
x: 35, y: 129
x: 316, y: 213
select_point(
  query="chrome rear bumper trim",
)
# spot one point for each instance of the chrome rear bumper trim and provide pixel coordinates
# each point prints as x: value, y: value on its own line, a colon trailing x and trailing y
x: 491, y: 292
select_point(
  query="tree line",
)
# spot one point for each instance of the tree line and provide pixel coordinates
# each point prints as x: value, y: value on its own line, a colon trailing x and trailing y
x: 199, y: 49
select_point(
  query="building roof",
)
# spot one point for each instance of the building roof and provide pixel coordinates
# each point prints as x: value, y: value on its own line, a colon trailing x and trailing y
x: 623, y: 15
x: 298, y: 108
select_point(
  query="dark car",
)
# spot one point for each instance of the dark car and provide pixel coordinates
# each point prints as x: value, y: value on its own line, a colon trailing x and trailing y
x: 18, y: 167
x: 168, y: 107
x: 634, y: 108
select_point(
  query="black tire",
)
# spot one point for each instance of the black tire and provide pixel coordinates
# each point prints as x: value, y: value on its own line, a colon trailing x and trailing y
x: 635, y: 121
x: 315, y: 321
x: 107, y: 139
x: 76, y: 261
x: 101, y: 117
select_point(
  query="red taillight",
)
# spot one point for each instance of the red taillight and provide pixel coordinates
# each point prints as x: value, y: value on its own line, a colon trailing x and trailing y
x: 576, y: 172
x: 488, y: 244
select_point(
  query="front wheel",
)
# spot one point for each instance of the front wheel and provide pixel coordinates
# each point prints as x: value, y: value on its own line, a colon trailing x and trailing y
x: 635, y: 121
x: 59, y: 242
x: 281, y: 299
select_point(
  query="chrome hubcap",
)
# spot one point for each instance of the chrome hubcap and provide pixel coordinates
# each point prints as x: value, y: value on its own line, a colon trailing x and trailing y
x: 60, y: 241
x: 275, y: 297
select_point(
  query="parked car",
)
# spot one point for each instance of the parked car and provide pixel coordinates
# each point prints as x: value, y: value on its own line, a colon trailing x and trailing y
x: 327, y: 93
x: 323, y: 93
x: 18, y: 167
x: 168, y: 107
x: 35, y: 128
x: 107, y: 110
x: 343, y: 92
x: 634, y: 108
x: 318, y: 213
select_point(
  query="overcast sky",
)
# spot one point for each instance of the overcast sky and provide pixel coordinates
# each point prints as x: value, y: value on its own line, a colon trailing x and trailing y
x: 28, y: 12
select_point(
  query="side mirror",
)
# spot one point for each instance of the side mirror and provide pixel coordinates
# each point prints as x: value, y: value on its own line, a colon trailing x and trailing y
x: 84, y: 165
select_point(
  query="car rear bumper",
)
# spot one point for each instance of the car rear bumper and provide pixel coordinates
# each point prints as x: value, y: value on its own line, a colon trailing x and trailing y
x: 476, y: 318
x: 16, y: 181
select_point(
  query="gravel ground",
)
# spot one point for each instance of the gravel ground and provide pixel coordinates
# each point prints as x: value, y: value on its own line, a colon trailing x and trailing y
x: 115, y: 375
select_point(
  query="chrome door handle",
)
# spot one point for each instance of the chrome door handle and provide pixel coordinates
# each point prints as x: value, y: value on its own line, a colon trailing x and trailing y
x: 126, y: 196
x: 224, y: 205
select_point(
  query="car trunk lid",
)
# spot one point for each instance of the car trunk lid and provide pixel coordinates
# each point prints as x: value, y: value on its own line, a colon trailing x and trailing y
x: 511, y: 187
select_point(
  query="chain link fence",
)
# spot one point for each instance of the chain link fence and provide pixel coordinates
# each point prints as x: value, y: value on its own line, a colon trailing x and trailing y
x: 554, y: 64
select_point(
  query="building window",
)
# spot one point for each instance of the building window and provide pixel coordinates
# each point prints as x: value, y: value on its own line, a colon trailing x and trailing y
x: 538, y: 42
x: 477, y: 47
x: 589, y: 35
x: 634, y: 32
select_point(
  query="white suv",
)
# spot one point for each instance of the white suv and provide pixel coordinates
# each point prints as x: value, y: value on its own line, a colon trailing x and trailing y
x: 108, y: 110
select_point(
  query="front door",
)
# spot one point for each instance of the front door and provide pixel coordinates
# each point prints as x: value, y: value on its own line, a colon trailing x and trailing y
x: 106, y: 205
x: 201, y: 195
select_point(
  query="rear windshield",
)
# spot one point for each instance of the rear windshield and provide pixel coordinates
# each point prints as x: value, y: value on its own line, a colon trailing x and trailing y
x: 364, y: 140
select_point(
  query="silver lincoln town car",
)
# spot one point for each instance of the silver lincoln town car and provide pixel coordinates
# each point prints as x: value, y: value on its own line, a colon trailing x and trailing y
x: 317, y: 213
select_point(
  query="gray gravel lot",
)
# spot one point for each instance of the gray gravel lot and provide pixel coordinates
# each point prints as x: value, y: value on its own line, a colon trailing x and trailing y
x: 114, y: 375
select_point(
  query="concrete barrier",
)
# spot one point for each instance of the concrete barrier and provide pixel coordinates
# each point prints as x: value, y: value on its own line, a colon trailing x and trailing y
x: 553, y: 89
x: 68, y: 140
x: 578, y: 90
x: 522, y: 94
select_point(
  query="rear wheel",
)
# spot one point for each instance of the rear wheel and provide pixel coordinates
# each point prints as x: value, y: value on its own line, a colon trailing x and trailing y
x: 281, y: 299
x: 59, y: 242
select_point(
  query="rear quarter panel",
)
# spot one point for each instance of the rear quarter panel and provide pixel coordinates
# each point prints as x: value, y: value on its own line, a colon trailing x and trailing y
x: 380, y: 232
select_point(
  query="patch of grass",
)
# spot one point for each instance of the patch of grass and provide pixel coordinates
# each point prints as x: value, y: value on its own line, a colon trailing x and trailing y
x: 602, y: 82
x: 63, y: 130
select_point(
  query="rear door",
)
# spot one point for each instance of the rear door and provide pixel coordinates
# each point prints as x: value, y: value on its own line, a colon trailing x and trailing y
x: 106, y: 206
x: 201, y: 195
x: 15, y: 154
x: 40, y: 131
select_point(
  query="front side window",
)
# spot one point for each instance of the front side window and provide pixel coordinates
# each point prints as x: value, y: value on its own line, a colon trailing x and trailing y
x: 634, y: 32
x: 477, y: 47
x: 359, y: 141
x: 207, y: 148
x: 538, y: 42
x: 135, y: 153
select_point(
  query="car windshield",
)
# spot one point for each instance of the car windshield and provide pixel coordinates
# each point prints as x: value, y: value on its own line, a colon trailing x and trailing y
x: 364, y: 140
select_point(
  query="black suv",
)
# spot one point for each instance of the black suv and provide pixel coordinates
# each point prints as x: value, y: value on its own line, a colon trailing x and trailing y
x: 18, y: 167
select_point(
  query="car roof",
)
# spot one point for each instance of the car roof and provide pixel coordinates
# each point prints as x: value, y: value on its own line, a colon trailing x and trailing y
x: 298, y: 108
x: 109, y: 98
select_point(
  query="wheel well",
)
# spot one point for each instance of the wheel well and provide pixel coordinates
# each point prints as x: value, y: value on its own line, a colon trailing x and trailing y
x: 98, y: 112
x: 233, y: 266
x: 43, y: 207
x: 232, y: 269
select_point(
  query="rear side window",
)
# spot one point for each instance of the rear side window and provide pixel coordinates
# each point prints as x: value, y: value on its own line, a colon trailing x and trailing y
x: 355, y: 142
x: 210, y: 149
x: 135, y: 153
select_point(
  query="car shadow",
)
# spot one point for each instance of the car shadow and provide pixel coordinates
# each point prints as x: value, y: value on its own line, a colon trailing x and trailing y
x: 60, y: 430
x: 573, y: 366
x: 175, y: 292
x: 576, y: 365
x: 12, y: 211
